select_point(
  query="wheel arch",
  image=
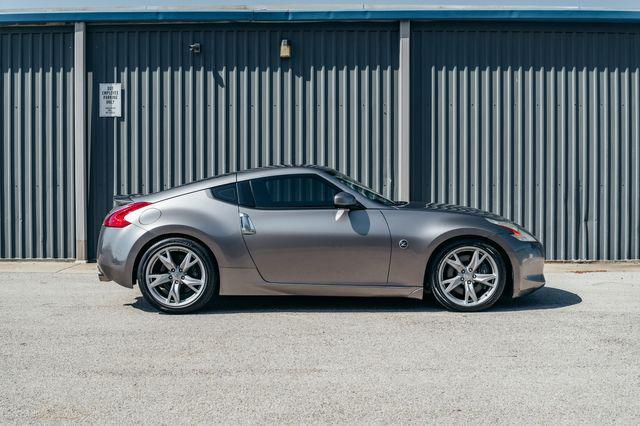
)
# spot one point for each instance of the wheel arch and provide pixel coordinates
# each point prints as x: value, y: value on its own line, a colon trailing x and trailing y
x: 508, y: 290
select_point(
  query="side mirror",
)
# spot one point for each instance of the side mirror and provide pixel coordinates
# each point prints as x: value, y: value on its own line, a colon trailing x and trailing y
x: 344, y: 200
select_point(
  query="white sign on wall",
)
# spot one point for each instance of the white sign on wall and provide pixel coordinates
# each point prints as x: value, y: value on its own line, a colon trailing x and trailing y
x: 110, y: 100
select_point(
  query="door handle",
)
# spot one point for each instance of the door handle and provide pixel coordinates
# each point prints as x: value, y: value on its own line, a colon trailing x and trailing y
x: 246, y: 225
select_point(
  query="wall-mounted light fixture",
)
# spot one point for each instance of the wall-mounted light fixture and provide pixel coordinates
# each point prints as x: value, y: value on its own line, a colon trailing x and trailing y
x: 194, y: 48
x: 285, y: 49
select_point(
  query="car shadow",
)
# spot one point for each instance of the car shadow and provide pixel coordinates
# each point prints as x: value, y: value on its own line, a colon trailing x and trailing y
x: 545, y: 298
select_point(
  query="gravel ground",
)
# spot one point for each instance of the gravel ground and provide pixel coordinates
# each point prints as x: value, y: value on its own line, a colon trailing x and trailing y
x: 76, y: 350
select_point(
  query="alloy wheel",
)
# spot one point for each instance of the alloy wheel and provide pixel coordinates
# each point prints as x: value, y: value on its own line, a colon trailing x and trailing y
x: 468, y: 276
x: 175, y: 276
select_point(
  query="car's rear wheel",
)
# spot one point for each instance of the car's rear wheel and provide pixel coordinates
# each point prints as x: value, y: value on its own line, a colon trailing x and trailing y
x: 468, y: 275
x: 177, y: 276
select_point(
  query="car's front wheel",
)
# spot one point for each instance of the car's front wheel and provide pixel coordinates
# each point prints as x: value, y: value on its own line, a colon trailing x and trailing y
x: 177, y: 276
x: 468, y: 275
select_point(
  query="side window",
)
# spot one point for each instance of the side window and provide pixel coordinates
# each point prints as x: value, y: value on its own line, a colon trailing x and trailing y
x: 293, y: 192
x: 226, y: 193
x: 245, y: 197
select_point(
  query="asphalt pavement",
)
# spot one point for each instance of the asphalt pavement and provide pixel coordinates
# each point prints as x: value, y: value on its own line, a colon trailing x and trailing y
x: 77, y: 350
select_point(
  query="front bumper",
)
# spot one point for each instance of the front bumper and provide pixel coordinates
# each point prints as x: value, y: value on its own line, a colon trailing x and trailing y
x: 528, y: 267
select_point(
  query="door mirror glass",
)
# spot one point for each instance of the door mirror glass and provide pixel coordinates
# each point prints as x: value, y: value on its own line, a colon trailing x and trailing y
x: 344, y: 200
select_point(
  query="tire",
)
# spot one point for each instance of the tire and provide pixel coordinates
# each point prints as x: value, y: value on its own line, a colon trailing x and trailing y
x: 169, y: 288
x: 460, y: 283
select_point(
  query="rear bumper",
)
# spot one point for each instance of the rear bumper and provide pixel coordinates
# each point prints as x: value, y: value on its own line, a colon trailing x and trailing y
x: 117, y: 250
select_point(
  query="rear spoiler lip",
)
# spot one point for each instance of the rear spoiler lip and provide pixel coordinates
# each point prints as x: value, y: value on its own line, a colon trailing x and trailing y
x: 122, y: 200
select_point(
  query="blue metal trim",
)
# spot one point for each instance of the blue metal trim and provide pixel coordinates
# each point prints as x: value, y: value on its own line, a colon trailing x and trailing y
x: 341, y: 15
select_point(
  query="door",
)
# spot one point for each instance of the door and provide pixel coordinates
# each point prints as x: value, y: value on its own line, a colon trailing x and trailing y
x: 295, y: 235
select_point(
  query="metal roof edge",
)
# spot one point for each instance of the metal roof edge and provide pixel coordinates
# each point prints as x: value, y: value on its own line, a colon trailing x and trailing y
x: 567, y: 15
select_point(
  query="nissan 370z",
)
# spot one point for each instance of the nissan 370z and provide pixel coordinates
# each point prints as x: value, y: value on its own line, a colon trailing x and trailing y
x: 310, y: 231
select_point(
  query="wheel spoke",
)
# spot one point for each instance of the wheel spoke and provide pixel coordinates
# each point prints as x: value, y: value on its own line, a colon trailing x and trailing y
x: 158, y: 279
x: 456, y: 263
x: 193, y: 283
x: 167, y: 261
x: 476, y: 260
x: 174, y: 293
x: 451, y: 283
x: 188, y: 262
x: 470, y: 292
x: 486, y: 279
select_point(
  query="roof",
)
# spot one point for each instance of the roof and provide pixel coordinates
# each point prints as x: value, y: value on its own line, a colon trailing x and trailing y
x: 41, y: 11
x: 285, y: 168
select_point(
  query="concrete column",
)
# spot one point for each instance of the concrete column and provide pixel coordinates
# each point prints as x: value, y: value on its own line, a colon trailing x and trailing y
x: 80, y: 138
x: 404, y: 114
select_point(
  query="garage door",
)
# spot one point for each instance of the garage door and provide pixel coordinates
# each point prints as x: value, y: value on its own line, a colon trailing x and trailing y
x: 537, y: 123
x: 36, y: 125
x: 203, y: 100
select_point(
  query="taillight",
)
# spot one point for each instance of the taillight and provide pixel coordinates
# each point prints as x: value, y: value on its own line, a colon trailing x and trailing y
x: 117, y: 220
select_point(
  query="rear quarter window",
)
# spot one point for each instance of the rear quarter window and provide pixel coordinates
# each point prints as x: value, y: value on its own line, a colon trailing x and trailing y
x: 226, y: 193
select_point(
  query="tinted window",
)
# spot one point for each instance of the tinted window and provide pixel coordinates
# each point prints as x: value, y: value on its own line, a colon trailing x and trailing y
x: 367, y: 192
x: 245, y: 197
x: 226, y: 193
x: 293, y: 191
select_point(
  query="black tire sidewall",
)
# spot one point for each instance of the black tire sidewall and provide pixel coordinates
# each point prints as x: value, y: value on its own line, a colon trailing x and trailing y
x: 438, y: 293
x: 211, y: 284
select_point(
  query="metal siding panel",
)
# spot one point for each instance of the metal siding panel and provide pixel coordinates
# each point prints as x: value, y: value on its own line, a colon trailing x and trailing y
x: 535, y: 122
x: 36, y: 123
x: 237, y: 105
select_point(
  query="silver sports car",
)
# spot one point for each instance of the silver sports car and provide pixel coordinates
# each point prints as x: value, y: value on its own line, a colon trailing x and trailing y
x: 310, y: 231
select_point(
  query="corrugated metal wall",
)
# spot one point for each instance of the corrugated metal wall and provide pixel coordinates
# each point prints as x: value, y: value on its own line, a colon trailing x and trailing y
x: 237, y: 105
x: 537, y: 123
x: 36, y: 130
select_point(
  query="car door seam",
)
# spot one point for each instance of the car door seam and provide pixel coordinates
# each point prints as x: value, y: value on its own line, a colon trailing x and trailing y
x: 390, y: 244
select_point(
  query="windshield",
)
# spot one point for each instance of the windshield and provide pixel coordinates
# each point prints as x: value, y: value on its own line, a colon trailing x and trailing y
x: 363, y: 190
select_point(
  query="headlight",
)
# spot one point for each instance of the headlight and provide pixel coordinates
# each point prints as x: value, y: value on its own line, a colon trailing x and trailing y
x: 516, y: 231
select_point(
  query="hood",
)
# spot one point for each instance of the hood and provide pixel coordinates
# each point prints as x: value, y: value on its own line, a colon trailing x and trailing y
x: 450, y: 208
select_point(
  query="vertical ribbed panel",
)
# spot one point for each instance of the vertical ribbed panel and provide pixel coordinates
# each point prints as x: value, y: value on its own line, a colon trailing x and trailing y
x: 538, y: 124
x: 36, y: 130
x: 237, y: 105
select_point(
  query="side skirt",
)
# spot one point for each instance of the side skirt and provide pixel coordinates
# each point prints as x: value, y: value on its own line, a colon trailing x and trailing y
x: 247, y: 282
